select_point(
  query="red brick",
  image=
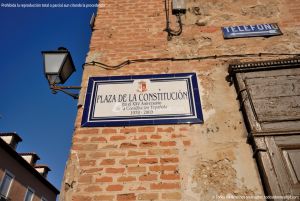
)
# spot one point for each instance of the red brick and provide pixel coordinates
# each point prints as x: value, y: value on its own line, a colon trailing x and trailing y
x: 114, y: 188
x: 178, y: 136
x: 126, y: 179
x: 136, y: 153
x: 208, y: 29
x: 87, y: 162
x: 128, y: 145
x: 109, y: 131
x: 172, y: 196
x: 85, y: 179
x: 139, y: 188
x: 80, y: 139
x: 146, y: 129
x: 167, y: 143
x: 103, y: 198
x: 104, y: 179
x: 128, y: 161
x: 142, y: 137
x: 128, y: 130
x: 148, y: 177
x: 187, y: 143
x: 136, y: 169
x: 98, y: 139
x: 81, y: 198
x: 93, y: 170
x: 164, y: 186
x: 148, y: 196
x: 118, y: 137
x: 183, y: 129
x: 85, y: 147
x: 160, y: 152
x: 148, y: 144
x: 158, y: 168
x: 155, y: 137
x: 97, y: 154
x: 87, y: 131
x: 125, y: 197
x: 115, y: 170
x: 93, y: 188
x: 167, y: 130
x: 169, y: 160
x: 108, y: 162
x: 170, y: 176
x: 110, y: 146
x: 148, y: 160
x: 117, y: 153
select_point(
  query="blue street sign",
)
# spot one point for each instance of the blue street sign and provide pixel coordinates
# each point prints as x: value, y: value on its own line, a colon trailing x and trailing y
x: 244, y: 31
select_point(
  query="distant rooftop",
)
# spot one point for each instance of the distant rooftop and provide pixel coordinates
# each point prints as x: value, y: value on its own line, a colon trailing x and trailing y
x: 14, y: 134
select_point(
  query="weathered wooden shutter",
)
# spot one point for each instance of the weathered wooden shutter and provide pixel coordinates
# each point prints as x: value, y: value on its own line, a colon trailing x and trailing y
x: 269, y: 95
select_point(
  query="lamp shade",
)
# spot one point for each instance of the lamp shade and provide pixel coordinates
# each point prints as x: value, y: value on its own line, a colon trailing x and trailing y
x: 58, y: 65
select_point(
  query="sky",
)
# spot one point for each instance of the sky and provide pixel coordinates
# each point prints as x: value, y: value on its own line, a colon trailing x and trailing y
x: 43, y: 120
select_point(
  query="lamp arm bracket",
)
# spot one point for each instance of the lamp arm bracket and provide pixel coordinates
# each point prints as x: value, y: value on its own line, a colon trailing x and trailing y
x: 65, y: 89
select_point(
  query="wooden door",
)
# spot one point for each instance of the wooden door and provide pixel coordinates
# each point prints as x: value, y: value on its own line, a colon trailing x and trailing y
x: 269, y: 95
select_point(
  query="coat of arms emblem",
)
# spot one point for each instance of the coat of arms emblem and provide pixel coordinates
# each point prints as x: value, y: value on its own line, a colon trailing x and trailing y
x: 142, y: 86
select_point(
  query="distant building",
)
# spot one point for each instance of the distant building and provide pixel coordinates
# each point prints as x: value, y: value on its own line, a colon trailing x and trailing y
x: 21, y: 179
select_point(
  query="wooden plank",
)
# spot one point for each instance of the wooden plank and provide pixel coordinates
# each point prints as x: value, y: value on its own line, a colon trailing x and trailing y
x: 260, y: 143
x: 249, y: 115
x: 277, y: 108
x: 292, y: 158
x: 281, y: 128
x: 279, y: 166
x: 267, y: 87
x: 288, y: 142
x: 291, y: 71
x: 267, y: 171
x: 263, y: 115
x: 290, y: 148
x: 271, y: 105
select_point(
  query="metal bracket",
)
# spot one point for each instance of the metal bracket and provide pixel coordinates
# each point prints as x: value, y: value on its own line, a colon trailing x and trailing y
x: 65, y: 89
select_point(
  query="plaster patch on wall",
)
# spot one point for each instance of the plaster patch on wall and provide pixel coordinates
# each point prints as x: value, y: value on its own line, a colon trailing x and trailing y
x: 206, y: 85
x: 268, y: 10
x: 278, y: 48
x: 190, y: 46
x: 215, y: 178
x: 217, y: 11
x: 189, y: 194
x: 290, y: 43
x: 209, y: 166
x: 245, y: 168
x: 209, y: 113
x: 233, y: 49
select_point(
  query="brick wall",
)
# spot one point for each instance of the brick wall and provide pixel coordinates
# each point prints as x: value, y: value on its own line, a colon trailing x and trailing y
x: 175, y: 162
x: 123, y: 161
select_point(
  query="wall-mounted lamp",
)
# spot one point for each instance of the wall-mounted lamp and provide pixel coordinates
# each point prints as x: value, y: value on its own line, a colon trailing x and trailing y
x: 58, y: 67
